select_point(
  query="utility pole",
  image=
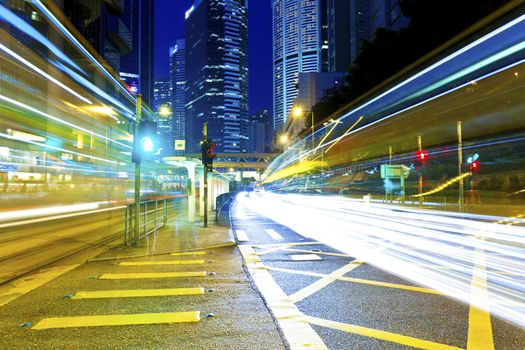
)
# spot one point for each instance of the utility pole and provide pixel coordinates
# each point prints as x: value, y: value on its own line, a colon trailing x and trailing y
x: 135, y: 241
x: 420, y: 147
x: 205, y: 184
x: 313, y: 143
x: 461, y: 200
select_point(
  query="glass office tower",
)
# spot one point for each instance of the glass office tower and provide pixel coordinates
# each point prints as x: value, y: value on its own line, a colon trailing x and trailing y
x: 299, y: 45
x: 217, y: 74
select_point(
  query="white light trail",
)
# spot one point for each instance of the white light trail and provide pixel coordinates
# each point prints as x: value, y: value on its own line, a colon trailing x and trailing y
x: 43, y: 145
x: 42, y: 73
x: 438, y: 250
x: 14, y: 215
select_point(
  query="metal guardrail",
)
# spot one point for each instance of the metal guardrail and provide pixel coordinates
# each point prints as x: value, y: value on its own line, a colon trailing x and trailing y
x: 149, y: 219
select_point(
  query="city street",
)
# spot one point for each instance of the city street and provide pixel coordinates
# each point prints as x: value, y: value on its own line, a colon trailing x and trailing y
x: 361, y: 284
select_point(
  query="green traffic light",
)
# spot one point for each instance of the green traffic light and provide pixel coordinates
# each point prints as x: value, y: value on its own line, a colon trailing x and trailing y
x: 147, y: 144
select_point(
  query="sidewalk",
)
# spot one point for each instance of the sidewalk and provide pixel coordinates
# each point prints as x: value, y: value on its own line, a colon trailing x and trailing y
x: 184, y: 288
x: 179, y: 235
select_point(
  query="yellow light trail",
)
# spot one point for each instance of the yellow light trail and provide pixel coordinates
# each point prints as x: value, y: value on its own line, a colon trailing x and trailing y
x: 443, y: 186
x: 345, y: 134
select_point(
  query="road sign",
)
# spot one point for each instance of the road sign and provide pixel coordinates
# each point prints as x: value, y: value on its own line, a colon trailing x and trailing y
x: 394, y: 171
x: 180, y: 145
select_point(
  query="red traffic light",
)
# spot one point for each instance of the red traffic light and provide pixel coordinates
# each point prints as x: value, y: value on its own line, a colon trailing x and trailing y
x: 421, y: 156
x: 474, y: 165
x: 210, y: 150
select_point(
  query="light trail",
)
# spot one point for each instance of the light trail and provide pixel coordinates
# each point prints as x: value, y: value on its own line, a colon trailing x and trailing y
x: 28, y: 30
x: 46, y: 13
x: 42, y: 73
x: 43, y: 145
x: 497, y: 36
x: 61, y: 121
x: 291, y: 158
x: 15, y: 215
x: 57, y: 217
x: 434, y: 249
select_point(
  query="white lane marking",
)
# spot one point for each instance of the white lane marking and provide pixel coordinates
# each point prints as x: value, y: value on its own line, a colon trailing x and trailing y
x: 305, y: 257
x: 242, y: 236
x: 273, y: 234
x: 299, y: 334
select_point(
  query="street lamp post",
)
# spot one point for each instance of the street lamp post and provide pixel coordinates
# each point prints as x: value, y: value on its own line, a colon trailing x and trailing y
x: 298, y: 113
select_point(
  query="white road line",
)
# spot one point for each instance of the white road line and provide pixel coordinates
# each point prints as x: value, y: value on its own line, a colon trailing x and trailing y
x: 273, y: 234
x: 299, y: 334
x: 242, y: 236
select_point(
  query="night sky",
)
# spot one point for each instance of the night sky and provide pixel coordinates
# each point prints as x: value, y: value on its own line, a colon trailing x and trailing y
x: 169, y: 26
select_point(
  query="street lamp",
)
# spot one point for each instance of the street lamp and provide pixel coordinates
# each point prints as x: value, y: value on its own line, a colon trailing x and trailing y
x: 164, y: 111
x: 298, y: 112
x: 283, y: 139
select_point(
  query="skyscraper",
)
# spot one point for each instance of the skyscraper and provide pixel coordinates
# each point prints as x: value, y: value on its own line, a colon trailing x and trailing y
x: 178, y: 87
x: 162, y: 106
x: 350, y: 22
x: 138, y: 17
x: 100, y: 22
x: 348, y: 27
x: 261, y: 132
x: 299, y: 45
x: 217, y: 74
x: 386, y: 14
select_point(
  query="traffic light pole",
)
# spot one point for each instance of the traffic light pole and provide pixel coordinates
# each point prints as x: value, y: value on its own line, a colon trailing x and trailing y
x: 420, y: 198
x: 461, y: 200
x: 205, y: 182
x: 136, y: 232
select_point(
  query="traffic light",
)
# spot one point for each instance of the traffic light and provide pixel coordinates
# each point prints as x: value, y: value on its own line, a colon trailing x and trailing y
x: 147, y: 142
x: 422, y: 156
x: 207, y: 154
x: 473, y: 162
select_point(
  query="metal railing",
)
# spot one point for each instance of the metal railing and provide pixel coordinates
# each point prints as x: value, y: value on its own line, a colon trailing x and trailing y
x: 153, y: 215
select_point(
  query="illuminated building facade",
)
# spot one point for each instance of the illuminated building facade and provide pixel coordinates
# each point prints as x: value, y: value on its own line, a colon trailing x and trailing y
x: 300, y: 44
x: 162, y: 106
x: 261, y: 132
x: 138, y: 16
x: 348, y: 27
x: 178, y: 87
x: 100, y: 22
x: 217, y: 74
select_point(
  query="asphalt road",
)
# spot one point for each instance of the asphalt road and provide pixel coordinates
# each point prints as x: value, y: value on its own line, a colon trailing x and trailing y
x: 352, y: 304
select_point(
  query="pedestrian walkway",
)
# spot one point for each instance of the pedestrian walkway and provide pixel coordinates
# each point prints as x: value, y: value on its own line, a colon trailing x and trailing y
x: 184, y: 288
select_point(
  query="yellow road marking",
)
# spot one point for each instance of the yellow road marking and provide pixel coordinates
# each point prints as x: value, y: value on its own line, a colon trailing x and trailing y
x: 26, y: 284
x: 323, y: 282
x: 270, y: 250
x: 298, y: 333
x: 360, y: 280
x: 382, y: 335
x: 124, y: 276
x: 312, y: 252
x: 134, y: 293
x: 117, y: 320
x: 168, y: 262
x: 479, y: 325
x: 188, y: 253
